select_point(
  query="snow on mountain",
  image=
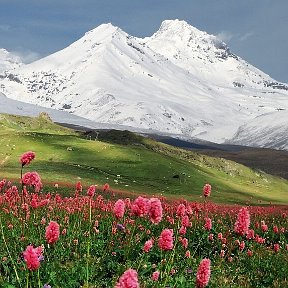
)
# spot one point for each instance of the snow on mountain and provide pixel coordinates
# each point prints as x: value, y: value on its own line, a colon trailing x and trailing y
x: 179, y: 81
x: 8, y: 61
x: 269, y: 130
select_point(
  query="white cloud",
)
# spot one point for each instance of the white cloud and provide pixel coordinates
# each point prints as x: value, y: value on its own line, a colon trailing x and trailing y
x: 225, y: 36
x: 246, y: 36
x: 27, y: 56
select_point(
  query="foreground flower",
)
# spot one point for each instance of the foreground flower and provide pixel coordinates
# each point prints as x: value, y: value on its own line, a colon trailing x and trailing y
x: 119, y: 208
x: 203, y: 273
x: 52, y: 232
x: 155, y: 276
x: 148, y: 245
x: 91, y: 191
x: 26, y: 158
x: 32, y: 179
x: 166, y: 240
x: 129, y: 279
x: 155, y: 210
x: 32, y: 257
x: 140, y: 206
x: 206, y: 190
x: 243, y: 221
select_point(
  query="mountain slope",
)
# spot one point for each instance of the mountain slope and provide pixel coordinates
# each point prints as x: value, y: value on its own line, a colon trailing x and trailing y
x: 263, y: 130
x: 180, y: 81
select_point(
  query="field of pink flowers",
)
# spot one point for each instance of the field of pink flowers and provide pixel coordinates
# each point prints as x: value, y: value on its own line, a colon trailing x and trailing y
x: 98, y: 238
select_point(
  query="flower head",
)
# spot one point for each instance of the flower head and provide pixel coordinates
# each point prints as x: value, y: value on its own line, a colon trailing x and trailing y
x: 119, y: 208
x: 26, y: 158
x: 148, y: 245
x: 52, y: 232
x: 129, y: 279
x: 206, y: 190
x: 32, y: 257
x: 203, y: 273
x: 155, y: 210
x: 155, y: 276
x: 140, y: 206
x: 165, y: 241
x: 243, y: 221
x: 32, y: 179
x: 91, y: 191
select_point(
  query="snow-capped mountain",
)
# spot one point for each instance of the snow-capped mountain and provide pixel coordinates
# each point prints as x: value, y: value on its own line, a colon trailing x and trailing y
x: 268, y: 130
x: 180, y: 81
x: 8, y: 61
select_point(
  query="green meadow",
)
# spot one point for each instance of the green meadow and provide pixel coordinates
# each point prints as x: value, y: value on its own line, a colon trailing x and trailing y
x: 130, y: 163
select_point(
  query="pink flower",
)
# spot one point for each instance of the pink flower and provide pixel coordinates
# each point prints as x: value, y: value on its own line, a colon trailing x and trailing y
x: 155, y: 276
x: 119, y: 208
x: 243, y: 221
x: 148, y: 245
x: 106, y: 187
x: 242, y: 246
x: 32, y: 257
x: 276, y: 247
x: 182, y: 230
x: 249, y: 253
x: 165, y: 241
x: 222, y: 253
x: 155, y: 210
x: 78, y: 188
x: 184, y: 243
x: 264, y: 227
x: 208, y: 224
x: 26, y: 158
x: 203, y: 273
x: 91, y: 191
x: 140, y: 206
x: 206, y: 190
x: 32, y: 179
x: 181, y: 210
x: 185, y: 221
x: 52, y: 232
x: 187, y: 254
x: 129, y: 279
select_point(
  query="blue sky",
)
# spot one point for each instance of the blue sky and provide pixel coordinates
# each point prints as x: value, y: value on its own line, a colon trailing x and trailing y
x: 256, y: 30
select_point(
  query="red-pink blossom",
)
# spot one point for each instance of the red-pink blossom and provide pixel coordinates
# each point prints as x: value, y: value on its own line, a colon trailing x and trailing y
x: 52, y: 232
x: 208, y: 224
x: 155, y: 210
x: 91, y: 191
x: 165, y: 241
x: 185, y: 221
x: 148, y: 245
x: 207, y: 190
x: 276, y: 247
x: 32, y: 257
x: 243, y: 221
x: 155, y: 276
x: 203, y: 273
x: 26, y: 158
x: 188, y: 254
x: 32, y: 179
x: 129, y: 279
x: 181, y: 210
x: 119, y: 208
x: 140, y: 206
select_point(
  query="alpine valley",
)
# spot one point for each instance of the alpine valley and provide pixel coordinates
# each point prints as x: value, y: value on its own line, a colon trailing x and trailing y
x: 180, y: 81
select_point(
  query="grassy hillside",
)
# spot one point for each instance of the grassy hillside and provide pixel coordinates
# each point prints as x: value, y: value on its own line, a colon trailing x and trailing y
x: 129, y: 162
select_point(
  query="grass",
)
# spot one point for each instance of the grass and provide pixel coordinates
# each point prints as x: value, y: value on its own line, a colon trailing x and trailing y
x: 129, y: 162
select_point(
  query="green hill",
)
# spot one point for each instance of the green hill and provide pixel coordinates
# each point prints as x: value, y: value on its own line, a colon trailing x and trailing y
x: 128, y: 162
